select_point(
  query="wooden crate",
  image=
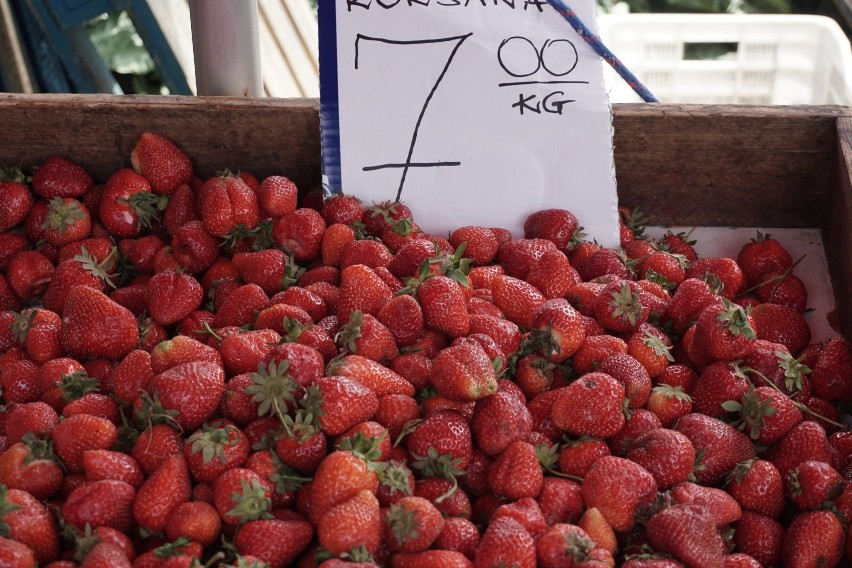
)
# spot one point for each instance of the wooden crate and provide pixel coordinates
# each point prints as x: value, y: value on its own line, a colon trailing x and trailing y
x: 682, y: 164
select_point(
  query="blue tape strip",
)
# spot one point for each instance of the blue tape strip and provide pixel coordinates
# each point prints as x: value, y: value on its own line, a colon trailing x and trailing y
x: 595, y: 42
x: 329, y: 99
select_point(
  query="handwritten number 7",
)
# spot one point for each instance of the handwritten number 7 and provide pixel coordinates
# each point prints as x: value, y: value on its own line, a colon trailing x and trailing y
x: 405, y: 166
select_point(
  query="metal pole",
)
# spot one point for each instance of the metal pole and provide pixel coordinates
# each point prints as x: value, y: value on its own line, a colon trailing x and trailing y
x: 226, y: 47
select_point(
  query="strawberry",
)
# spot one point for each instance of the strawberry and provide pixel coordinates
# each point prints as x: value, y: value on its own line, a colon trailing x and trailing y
x: 16, y: 197
x: 377, y: 217
x: 460, y: 535
x: 181, y: 349
x: 724, y: 333
x: 651, y: 347
x: 215, y: 448
x: 171, y: 296
x: 590, y: 406
x: 618, y: 487
x: 564, y: 545
x: 59, y: 177
x: 516, y: 472
x: 719, y: 383
x: 757, y: 486
x: 352, y: 524
x: 277, y: 196
x: 27, y: 521
x: 77, y: 434
x: 403, y: 316
x: 29, y: 273
x: 762, y: 255
x: 761, y: 537
x: 731, y: 280
x: 166, y: 487
x: 360, y: 289
x: 517, y: 299
x: 500, y: 419
x: 780, y: 324
x: 312, y: 303
x: 191, y: 391
x: 127, y: 205
x: 619, y: 307
x: 667, y: 454
x: 556, y: 330
x: 376, y: 377
x: 107, y: 464
x: 341, y: 403
x: 300, y: 233
x: 766, y: 415
x: 13, y: 553
x: 240, y: 306
x: 628, y: 371
x: 480, y: 244
x: 161, y: 162
x: 812, y: 484
x: 412, y: 524
x: 95, y: 326
x: 242, y: 352
x: 556, y: 225
x: 19, y: 382
x: 444, y: 306
x: 506, y: 543
x: 36, y: 418
x: 831, y: 377
x: 464, y: 372
x: 723, y: 508
x: 783, y: 288
x: 603, y: 262
x: 225, y: 202
x: 66, y: 220
x: 278, y: 543
x: 340, y: 476
x: 506, y: 334
x: 688, y: 533
x: 598, y: 529
x: 195, y: 520
x: 719, y: 446
x: 368, y: 337
x: 155, y: 445
x: 806, y: 441
x: 31, y: 466
x: 105, y: 503
x: 664, y: 268
x: 240, y: 495
x: 193, y: 248
x: 814, y: 538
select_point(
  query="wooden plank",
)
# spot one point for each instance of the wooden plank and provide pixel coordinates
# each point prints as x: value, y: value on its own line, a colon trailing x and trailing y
x: 726, y: 165
x: 13, y: 61
x: 264, y: 136
x: 837, y: 232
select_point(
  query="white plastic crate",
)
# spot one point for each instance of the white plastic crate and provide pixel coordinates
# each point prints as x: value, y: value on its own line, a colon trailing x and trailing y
x: 770, y: 59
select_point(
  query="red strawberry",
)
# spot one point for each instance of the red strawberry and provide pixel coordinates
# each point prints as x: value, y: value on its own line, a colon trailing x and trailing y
x: 278, y: 543
x: 240, y: 495
x: 761, y: 537
x: 340, y: 476
x: 720, y: 446
x: 31, y: 466
x: 459, y: 535
x: 334, y: 241
x: 556, y: 330
x: 766, y: 415
x: 783, y: 288
x: 166, y: 488
x: 66, y: 220
x: 444, y: 306
x: 728, y: 273
x: 506, y: 334
x: 107, y: 464
x: 413, y: 524
x: 95, y: 326
x: 105, y: 503
x: 35, y: 417
x: 29, y: 273
x: 687, y: 303
x: 814, y: 538
x: 806, y: 441
x: 161, y: 162
x: 300, y: 233
x: 517, y: 299
x: 590, y: 406
x: 757, y: 486
x: 360, y: 289
x: 127, y: 204
x: 628, y: 371
x: 723, y: 508
x: 507, y: 543
x: 381, y: 215
x: 239, y: 307
x: 155, y: 445
x: 373, y: 375
x: 368, y: 337
x: 780, y: 324
x: 762, y: 255
x: 556, y: 225
x: 352, y: 524
x: 516, y: 473
x: 27, y: 521
x: 724, y: 333
x: 810, y: 485
x: 277, y: 196
x: 341, y: 208
x: 16, y: 197
x: 688, y: 533
x: 404, y: 318
x: 225, y: 202
x: 59, y: 177
x: 77, y: 434
x: 181, y: 349
x: 180, y: 210
x: 191, y: 390
x: 464, y: 372
x: 718, y: 384
x: 481, y: 244
x: 603, y: 262
x: 831, y: 377
x: 501, y: 419
x: 197, y: 521
x: 619, y: 307
x: 667, y: 454
x: 172, y: 296
x: 564, y: 545
x: 193, y: 248
x: 598, y: 529
x: 618, y: 487
x: 215, y: 448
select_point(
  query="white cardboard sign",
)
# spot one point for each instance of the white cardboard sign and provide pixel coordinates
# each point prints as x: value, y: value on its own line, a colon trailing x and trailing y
x: 472, y: 112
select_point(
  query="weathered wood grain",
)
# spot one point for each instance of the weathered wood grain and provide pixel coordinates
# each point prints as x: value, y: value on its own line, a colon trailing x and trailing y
x: 837, y: 228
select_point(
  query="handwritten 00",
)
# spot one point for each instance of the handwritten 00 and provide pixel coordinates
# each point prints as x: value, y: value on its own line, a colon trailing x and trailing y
x: 514, y: 58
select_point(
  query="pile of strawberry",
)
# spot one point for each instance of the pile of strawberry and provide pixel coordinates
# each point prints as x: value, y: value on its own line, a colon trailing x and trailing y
x: 204, y: 373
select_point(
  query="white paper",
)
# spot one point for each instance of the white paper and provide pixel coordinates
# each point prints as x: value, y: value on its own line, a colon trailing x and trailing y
x: 434, y: 68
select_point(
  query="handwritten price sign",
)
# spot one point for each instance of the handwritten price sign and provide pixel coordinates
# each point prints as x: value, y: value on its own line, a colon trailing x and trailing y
x: 473, y: 112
